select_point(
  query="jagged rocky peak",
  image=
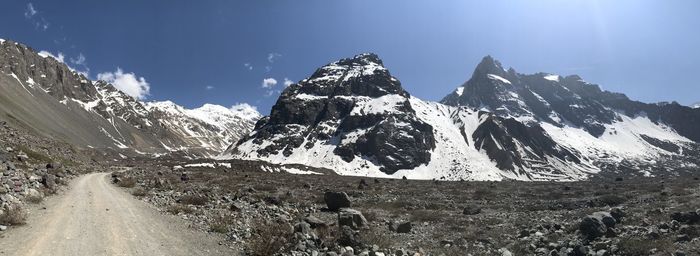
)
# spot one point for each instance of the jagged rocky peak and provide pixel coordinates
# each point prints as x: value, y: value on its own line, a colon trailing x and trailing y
x: 353, y: 104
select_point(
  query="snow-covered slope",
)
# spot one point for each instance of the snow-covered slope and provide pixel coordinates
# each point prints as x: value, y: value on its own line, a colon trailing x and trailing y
x: 354, y: 117
x: 696, y: 105
x: 211, y: 127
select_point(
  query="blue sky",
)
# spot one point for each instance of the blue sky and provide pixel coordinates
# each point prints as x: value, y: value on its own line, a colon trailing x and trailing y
x: 221, y: 51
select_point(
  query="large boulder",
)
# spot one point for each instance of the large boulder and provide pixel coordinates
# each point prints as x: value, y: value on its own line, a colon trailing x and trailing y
x: 596, y: 225
x: 337, y: 200
x: 686, y: 217
x: 351, y: 218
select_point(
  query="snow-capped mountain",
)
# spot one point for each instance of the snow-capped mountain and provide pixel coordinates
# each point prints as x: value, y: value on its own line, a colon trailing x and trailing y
x: 210, y: 127
x: 354, y: 116
x: 695, y: 105
x: 41, y: 93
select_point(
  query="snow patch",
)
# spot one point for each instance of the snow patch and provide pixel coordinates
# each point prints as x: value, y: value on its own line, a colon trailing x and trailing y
x: 498, y: 78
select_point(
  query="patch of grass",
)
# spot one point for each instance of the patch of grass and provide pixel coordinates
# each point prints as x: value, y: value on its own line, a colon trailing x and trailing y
x: 376, y: 237
x: 139, y: 192
x: 34, y: 155
x: 34, y: 199
x: 640, y: 247
x: 127, y: 182
x: 483, y: 194
x: 425, y: 216
x: 14, y: 216
x: 221, y: 224
x: 178, y: 208
x: 610, y: 200
x: 269, y: 239
x: 194, y: 200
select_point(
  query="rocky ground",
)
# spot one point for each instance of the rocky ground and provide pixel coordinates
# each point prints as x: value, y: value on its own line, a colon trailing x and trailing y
x: 32, y: 168
x: 266, y: 213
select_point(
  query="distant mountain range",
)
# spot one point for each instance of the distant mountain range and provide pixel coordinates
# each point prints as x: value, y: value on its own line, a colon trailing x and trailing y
x: 353, y: 116
x: 46, y: 96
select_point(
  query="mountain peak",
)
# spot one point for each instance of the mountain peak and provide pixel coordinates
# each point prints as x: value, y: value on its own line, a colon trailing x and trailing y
x: 489, y: 65
x: 367, y: 58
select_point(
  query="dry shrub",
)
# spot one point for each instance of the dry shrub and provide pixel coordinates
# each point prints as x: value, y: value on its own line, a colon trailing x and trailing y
x: 34, y: 199
x: 221, y: 223
x: 376, y: 237
x: 269, y: 238
x: 140, y: 192
x: 14, y: 216
x: 483, y: 194
x: 127, y: 182
x: 327, y: 235
x: 178, y: 208
x: 194, y: 200
x: 425, y: 216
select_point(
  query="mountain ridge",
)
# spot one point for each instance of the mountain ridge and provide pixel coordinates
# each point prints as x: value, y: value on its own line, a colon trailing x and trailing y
x: 498, y: 125
x: 47, y: 96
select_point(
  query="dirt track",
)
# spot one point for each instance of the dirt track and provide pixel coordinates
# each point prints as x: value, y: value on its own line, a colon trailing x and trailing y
x: 96, y: 218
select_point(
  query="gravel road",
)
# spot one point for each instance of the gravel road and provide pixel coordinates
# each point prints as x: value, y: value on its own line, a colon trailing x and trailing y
x: 96, y: 218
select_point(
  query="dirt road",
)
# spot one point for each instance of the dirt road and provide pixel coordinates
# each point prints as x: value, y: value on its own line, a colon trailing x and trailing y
x: 96, y: 218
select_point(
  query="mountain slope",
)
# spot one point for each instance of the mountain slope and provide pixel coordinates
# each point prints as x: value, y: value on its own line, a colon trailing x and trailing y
x: 46, y: 96
x: 353, y: 116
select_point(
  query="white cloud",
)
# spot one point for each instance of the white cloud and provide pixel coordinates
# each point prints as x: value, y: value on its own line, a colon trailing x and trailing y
x: 128, y: 83
x: 269, y: 82
x: 60, y: 57
x: 78, y: 61
x: 209, y: 87
x: 30, y: 12
x: 287, y: 82
x: 248, y: 66
x: 271, y: 56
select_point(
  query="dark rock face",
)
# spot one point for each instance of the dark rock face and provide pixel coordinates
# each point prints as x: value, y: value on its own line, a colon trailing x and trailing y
x: 498, y: 137
x: 354, y: 104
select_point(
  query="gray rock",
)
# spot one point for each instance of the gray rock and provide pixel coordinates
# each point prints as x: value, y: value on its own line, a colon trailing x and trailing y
x: 351, y: 218
x: 596, y: 224
x: 404, y: 227
x: 336, y: 200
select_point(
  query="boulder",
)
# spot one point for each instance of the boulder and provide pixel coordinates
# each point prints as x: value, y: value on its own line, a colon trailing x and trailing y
x: 404, y: 227
x: 471, y: 210
x: 686, y: 217
x: 351, y: 218
x: 596, y: 224
x: 337, y: 200
x: 315, y: 222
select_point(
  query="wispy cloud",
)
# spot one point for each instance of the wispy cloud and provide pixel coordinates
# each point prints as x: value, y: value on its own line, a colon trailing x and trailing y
x: 272, y: 56
x: 248, y: 66
x: 269, y: 83
x: 128, y: 83
x: 59, y: 57
x: 287, y: 82
x: 33, y: 15
x: 30, y: 11
x: 209, y: 87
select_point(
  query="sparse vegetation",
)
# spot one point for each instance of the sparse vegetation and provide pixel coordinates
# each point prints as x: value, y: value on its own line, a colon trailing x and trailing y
x: 194, y: 200
x: 127, y: 182
x: 269, y: 238
x: 14, y: 216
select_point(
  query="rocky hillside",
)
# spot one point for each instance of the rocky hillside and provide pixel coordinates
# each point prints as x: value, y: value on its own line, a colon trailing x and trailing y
x: 354, y: 116
x: 42, y: 94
